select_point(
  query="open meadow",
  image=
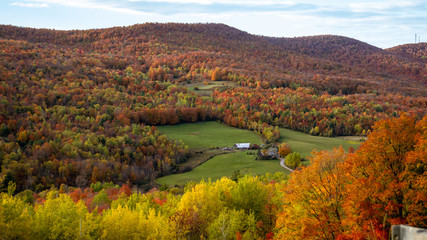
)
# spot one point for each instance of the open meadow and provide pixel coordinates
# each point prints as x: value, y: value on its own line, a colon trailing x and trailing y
x: 225, y: 165
x: 305, y: 143
x: 208, y: 134
x: 203, y: 135
x: 203, y: 89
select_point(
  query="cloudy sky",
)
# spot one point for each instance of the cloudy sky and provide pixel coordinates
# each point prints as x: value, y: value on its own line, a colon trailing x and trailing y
x: 383, y: 23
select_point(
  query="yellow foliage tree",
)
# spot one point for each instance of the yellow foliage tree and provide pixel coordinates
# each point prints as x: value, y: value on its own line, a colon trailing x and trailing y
x: 61, y: 218
x: 204, y: 202
x: 15, y: 218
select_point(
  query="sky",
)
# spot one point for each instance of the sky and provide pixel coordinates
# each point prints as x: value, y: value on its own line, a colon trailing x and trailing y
x: 382, y: 23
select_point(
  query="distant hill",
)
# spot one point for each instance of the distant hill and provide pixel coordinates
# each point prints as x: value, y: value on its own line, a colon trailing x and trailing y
x: 357, y: 55
x: 344, y: 61
x: 417, y: 51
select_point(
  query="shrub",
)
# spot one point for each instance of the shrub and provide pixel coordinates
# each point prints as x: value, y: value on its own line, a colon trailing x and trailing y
x: 284, y: 149
x: 293, y: 160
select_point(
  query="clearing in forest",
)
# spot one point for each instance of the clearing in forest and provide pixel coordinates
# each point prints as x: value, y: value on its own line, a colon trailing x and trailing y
x: 209, y: 134
x: 213, y: 163
x: 225, y: 165
x: 305, y: 143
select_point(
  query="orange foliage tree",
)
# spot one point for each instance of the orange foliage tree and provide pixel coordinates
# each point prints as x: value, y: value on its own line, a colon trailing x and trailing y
x: 360, y: 196
x: 284, y: 149
x: 387, y: 178
x: 313, y: 199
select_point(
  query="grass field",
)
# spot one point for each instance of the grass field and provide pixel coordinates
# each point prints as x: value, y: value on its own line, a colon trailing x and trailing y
x: 305, y: 143
x: 204, y: 135
x: 203, y: 89
x: 224, y: 165
x: 208, y: 134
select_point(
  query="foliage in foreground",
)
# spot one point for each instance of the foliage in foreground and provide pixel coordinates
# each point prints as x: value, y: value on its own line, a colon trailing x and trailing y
x: 330, y: 199
x: 214, y: 210
x: 361, y: 195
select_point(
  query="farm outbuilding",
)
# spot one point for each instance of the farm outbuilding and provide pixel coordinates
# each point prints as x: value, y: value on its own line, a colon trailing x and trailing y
x: 242, y: 145
x: 268, y: 153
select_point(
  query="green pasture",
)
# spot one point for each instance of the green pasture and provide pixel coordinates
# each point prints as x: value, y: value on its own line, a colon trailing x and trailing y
x: 209, y: 134
x: 202, y: 89
x: 305, y: 143
x: 224, y: 165
x: 203, y: 135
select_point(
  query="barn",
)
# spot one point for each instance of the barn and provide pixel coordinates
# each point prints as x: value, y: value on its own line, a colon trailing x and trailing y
x: 242, y: 146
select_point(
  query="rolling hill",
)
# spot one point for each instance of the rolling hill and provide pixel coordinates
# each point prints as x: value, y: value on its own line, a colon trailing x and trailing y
x: 413, y: 51
x: 351, y: 61
x: 81, y: 106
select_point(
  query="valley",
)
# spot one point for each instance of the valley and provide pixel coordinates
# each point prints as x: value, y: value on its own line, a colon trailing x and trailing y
x: 127, y: 133
x: 78, y: 106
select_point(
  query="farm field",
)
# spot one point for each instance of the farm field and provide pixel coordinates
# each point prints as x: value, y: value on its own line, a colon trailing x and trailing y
x: 208, y: 134
x: 225, y: 165
x: 202, y: 135
x: 305, y: 143
x: 214, y: 134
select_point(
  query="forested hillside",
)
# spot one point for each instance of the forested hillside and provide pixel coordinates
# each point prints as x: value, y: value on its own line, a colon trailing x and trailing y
x: 416, y: 51
x: 339, y: 196
x: 78, y: 107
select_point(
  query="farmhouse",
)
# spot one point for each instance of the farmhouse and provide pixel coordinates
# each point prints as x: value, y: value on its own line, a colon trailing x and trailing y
x: 268, y: 153
x: 242, y: 146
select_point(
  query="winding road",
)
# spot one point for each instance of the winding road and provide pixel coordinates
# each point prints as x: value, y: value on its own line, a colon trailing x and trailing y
x: 282, y: 163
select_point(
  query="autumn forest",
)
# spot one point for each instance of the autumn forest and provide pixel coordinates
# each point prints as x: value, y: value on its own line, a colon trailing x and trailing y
x: 80, y: 150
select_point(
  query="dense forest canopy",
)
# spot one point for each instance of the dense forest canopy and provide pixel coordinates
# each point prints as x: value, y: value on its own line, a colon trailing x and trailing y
x: 78, y: 107
x: 416, y: 51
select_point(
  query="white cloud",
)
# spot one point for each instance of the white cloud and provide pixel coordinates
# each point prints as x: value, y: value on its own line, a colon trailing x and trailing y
x: 235, y: 2
x: 380, y: 6
x: 30, y: 5
x: 90, y: 4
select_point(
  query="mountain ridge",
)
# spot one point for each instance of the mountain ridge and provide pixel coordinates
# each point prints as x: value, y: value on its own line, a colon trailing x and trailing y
x: 416, y: 51
x: 324, y: 55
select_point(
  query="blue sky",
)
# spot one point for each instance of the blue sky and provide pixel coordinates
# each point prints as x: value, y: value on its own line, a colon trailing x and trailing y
x: 382, y: 23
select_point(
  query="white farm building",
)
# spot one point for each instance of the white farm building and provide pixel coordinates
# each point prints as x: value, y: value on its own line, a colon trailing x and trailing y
x: 242, y: 146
